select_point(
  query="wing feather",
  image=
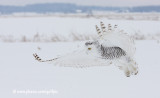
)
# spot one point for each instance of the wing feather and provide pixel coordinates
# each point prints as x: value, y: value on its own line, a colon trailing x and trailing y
x: 81, y: 59
x: 120, y: 39
x: 77, y: 59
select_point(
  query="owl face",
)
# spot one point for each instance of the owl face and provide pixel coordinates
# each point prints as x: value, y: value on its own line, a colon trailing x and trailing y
x: 91, y: 47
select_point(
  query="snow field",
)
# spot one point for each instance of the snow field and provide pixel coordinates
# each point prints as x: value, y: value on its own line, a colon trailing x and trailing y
x: 19, y: 70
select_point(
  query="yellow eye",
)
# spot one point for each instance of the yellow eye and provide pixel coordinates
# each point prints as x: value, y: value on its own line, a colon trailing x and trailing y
x: 89, y: 48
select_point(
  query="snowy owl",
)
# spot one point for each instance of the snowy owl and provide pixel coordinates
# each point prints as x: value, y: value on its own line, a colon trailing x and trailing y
x: 112, y: 47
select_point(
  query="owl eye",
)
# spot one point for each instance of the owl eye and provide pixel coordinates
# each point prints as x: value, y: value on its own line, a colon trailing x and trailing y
x: 89, y: 48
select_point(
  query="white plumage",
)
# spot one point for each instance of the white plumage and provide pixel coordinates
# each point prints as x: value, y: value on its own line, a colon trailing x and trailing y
x: 112, y: 46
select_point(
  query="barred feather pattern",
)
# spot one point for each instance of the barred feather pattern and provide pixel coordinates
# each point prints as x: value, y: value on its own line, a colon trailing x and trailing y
x: 40, y: 60
x: 103, y: 27
x: 112, y: 52
x: 98, y: 30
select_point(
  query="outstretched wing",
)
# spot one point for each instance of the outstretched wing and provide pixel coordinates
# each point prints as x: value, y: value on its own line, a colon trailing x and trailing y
x: 120, y: 39
x: 116, y: 37
x: 76, y: 59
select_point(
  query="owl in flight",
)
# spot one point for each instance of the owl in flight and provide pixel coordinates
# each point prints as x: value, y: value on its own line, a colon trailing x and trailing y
x: 112, y: 47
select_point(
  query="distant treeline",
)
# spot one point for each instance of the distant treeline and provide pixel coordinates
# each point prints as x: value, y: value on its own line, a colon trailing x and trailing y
x: 71, y: 8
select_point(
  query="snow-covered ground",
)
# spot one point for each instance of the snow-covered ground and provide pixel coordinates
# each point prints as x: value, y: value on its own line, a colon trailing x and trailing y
x: 20, y: 71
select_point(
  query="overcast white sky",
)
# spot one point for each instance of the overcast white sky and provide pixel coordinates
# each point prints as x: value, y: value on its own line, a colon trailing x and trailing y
x: 85, y: 2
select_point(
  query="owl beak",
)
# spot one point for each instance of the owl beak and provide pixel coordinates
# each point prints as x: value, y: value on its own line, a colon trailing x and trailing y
x: 89, y: 48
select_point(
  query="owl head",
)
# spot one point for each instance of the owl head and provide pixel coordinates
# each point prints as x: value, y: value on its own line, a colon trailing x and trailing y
x: 92, y: 47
